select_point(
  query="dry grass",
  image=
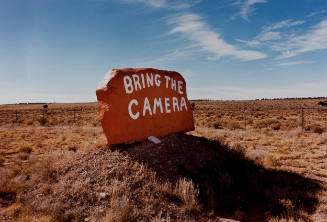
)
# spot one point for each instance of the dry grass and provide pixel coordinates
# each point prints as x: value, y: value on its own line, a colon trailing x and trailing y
x: 97, y: 185
x: 43, y: 151
x: 276, y: 114
x: 273, y: 138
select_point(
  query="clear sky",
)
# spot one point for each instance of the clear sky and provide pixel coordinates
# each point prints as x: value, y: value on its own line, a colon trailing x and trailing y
x: 59, y: 50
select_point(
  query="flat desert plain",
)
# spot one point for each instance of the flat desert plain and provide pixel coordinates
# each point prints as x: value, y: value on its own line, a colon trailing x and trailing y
x: 260, y: 160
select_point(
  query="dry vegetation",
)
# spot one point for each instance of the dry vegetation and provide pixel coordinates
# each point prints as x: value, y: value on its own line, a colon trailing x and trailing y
x: 246, y: 160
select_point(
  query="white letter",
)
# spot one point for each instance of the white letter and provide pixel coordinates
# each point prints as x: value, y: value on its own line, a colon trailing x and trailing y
x: 167, y: 105
x: 179, y: 87
x: 167, y: 80
x: 149, y: 80
x: 173, y: 84
x: 175, y: 104
x: 136, y: 79
x: 142, y: 77
x: 157, y: 80
x: 133, y: 116
x: 146, y: 106
x: 157, y: 103
x: 183, y: 103
x: 128, y: 84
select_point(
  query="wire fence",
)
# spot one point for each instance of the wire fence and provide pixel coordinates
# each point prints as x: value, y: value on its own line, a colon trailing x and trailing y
x: 48, y: 117
x: 290, y: 117
x: 297, y: 117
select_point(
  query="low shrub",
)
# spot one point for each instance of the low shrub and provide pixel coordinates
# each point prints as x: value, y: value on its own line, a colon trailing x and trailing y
x: 315, y: 128
x: 2, y: 160
x: 275, y: 126
x: 42, y: 121
x: 233, y: 125
x: 217, y: 125
x: 26, y: 149
x: 273, y: 123
x: 322, y: 103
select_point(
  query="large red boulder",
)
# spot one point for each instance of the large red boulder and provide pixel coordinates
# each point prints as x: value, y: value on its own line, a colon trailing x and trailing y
x: 137, y: 103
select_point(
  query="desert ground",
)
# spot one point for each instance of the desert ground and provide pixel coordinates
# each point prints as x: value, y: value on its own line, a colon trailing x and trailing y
x: 259, y: 160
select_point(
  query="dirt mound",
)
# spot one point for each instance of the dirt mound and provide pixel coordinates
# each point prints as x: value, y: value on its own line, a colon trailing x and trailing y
x: 103, y: 185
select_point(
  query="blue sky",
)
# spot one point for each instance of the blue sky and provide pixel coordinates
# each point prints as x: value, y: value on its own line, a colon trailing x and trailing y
x: 59, y: 50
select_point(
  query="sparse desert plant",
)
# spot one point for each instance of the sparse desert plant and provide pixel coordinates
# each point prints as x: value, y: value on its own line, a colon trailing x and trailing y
x: 2, y: 160
x: 218, y: 124
x: 318, y: 129
x: 233, y: 125
x: 72, y: 148
x: 26, y: 149
x: 193, y: 106
x: 273, y: 123
x: 315, y: 128
x: 187, y: 191
x: 275, y: 126
x: 44, y: 169
x: 249, y: 120
x: 269, y: 161
x: 42, y: 121
x: 54, y: 121
x: 322, y: 103
x: 121, y: 210
x: 161, y: 218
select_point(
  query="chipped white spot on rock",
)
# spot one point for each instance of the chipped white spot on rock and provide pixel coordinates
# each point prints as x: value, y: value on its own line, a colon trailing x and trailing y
x: 106, y: 79
x: 154, y: 139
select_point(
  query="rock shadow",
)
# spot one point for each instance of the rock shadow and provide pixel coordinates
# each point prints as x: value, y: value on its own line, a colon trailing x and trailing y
x: 230, y: 184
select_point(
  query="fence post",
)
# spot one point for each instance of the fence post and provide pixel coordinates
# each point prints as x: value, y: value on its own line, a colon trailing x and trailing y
x: 74, y: 116
x: 16, y: 116
x: 302, y: 114
x: 244, y: 114
x: 45, y: 106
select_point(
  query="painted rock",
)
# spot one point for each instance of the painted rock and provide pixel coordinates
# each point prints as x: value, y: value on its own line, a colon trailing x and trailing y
x: 137, y: 103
